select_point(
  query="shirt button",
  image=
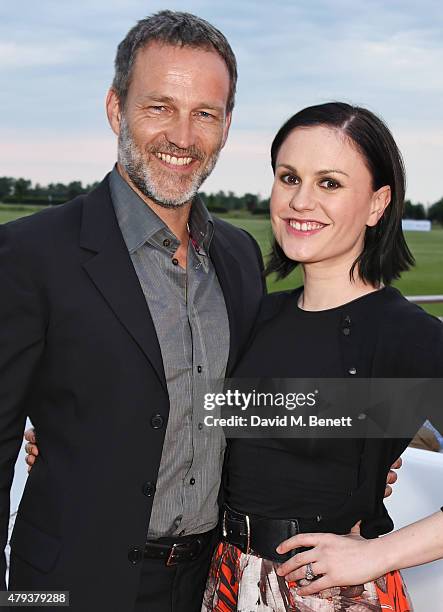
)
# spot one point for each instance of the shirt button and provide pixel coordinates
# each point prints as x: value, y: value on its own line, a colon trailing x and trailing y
x: 346, y: 331
x: 166, y: 242
x: 157, y: 421
x: 135, y: 555
x: 199, y: 369
x: 148, y: 489
x: 200, y: 426
x: 192, y: 481
x: 175, y: 261
x: 352, y: 371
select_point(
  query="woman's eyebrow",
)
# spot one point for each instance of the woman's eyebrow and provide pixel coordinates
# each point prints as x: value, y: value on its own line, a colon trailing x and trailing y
x: 332, y: 170
x: 319, y: 172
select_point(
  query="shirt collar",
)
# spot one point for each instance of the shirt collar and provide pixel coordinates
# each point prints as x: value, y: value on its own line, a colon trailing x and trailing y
x: 139, y: 223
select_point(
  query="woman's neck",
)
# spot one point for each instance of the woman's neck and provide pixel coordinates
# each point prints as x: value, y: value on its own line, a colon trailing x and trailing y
x: 329, y: 287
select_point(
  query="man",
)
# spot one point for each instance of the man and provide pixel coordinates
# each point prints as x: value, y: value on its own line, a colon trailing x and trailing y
x: 105, y: 335
x: 117, y: 308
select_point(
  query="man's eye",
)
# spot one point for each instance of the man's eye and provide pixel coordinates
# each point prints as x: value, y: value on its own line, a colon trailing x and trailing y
x: 204, y: 115
x: 330, y: 184
x: 157, y: 109
x: 290, y: 179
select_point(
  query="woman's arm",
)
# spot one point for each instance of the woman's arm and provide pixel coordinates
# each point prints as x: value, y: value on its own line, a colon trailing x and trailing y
x: 349, y: 560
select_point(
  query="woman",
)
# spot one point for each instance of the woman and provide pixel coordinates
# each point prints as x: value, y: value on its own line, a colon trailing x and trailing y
x: 336, y: 209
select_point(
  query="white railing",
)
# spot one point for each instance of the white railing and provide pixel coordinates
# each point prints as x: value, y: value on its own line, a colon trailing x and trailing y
x: 425, y: 299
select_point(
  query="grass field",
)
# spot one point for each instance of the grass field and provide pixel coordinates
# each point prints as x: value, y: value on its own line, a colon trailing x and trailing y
x: 425, y: 279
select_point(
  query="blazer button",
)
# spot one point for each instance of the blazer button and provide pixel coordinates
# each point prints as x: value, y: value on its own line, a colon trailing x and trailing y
x: 157, y: 421
x: 148, y: 489
x: 352, y: 371
x: 346, y: 331
x: 135, y: 555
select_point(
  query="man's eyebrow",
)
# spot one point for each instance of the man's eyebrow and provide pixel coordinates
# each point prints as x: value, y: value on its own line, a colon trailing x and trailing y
x: 319, y: 172
x: 157, y: 97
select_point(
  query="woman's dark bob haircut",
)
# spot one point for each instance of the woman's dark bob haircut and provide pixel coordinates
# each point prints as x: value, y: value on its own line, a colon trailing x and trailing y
x: 385, y: 253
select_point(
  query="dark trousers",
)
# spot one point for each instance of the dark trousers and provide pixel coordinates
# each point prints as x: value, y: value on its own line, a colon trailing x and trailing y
x: 178, y: 588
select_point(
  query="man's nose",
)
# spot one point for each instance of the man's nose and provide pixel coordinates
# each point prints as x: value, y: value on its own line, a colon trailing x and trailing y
x: 302, y: 199
x: 180, y: 132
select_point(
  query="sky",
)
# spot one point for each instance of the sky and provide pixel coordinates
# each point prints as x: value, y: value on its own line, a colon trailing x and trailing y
x: 56, y: 64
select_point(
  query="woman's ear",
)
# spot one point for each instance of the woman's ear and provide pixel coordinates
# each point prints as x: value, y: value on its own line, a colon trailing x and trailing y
x: 380, y: 200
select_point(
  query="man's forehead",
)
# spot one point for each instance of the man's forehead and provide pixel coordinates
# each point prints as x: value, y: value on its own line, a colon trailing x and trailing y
x: 160, y: 68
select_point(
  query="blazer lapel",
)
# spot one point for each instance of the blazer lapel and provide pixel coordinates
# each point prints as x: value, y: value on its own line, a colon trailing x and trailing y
x: 112, y: 272
x: 229, y: 274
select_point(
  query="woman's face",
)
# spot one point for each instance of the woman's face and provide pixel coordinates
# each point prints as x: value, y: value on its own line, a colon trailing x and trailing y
x: 322, y: 197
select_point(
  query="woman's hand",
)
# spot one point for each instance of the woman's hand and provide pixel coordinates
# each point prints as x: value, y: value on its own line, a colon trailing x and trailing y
x: 30, y: 448
x: 338, y: 560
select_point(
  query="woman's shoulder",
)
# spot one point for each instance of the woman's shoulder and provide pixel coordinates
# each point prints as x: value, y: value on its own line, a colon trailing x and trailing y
x: 272, y: 304
x: 400, y: 315
x: 410, y: 333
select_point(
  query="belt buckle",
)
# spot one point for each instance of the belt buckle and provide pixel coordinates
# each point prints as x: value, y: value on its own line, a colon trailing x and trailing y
x: 170, y: 560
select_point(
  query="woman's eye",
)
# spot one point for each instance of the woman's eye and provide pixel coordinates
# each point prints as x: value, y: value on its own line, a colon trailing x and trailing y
x: 290, y: 179
x: 330, y: 184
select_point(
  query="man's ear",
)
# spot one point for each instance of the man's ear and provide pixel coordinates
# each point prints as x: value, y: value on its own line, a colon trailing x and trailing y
x: 380, y: 201
x: 113, y: 111
x: 226, y: 129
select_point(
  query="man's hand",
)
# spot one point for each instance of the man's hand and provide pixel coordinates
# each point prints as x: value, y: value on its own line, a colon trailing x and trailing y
x: 31, y: 447
x: 392, y: 476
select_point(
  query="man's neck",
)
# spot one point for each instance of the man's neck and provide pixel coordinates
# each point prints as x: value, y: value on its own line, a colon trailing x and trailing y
x: 176, y: 219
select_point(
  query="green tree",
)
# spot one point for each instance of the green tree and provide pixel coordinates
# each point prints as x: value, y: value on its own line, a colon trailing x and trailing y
x: 21, y: 188
x: 435, y: 212
x: 6, y: 186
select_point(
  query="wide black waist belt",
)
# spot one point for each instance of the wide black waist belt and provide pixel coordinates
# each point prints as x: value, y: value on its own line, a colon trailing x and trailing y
x: 252, y: 533
x: 179, y: 549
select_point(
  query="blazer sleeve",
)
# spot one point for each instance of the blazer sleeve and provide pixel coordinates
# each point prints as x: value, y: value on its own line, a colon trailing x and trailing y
x: 22, y: 332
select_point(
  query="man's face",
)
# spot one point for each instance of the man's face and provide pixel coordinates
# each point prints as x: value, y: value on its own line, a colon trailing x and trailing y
x: 174, y: 121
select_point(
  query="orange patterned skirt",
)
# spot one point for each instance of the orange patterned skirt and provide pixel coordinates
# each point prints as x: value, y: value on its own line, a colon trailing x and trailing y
x: 248, y: 583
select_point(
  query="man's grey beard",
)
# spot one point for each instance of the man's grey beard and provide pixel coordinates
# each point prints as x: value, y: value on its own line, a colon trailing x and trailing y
x: 143, y: 177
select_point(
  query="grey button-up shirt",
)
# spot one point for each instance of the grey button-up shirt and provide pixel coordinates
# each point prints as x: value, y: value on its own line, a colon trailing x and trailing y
x: 190, y: 319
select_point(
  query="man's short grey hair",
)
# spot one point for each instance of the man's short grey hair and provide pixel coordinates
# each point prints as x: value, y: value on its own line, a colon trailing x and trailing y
x: 173, y: 28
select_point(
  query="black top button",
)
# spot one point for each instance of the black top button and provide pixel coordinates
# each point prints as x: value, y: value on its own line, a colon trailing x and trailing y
x: 175, y: 261
x: 346, y: 331
x: 148, y: 489
x: 135, y: 555
x: 157, y: 421
x: 192, y: 481
x: 347, y: 320
x: 199, y: 369
x: 166, y: 242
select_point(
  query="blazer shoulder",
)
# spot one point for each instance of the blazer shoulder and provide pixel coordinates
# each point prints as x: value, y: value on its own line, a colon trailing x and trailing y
x: 234, y: 234
x: 35, y: 229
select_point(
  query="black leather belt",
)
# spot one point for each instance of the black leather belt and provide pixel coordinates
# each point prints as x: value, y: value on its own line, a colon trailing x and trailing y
x: 262, y: 535
x: 177, y: 550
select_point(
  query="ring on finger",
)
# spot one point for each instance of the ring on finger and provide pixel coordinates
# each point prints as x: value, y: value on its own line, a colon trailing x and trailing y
x: 309, y: 573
